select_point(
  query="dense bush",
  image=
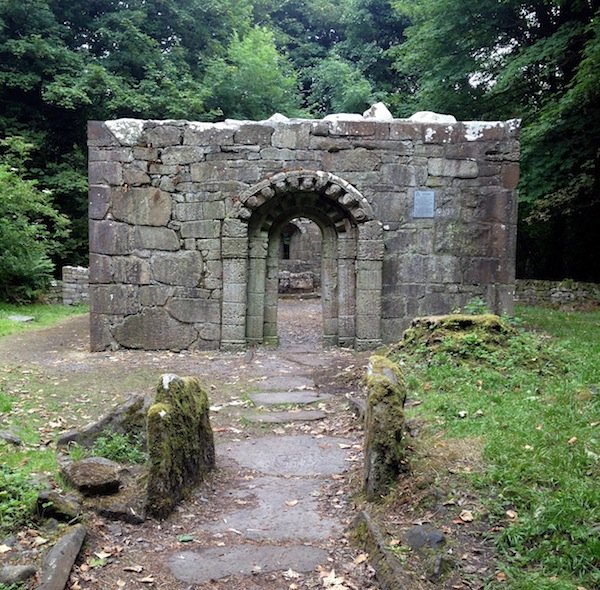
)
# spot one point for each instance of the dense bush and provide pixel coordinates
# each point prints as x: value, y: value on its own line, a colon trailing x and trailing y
x: 30, y: 230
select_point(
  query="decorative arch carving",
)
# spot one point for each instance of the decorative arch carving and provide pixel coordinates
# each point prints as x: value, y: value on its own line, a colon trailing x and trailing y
x: 307, y: 181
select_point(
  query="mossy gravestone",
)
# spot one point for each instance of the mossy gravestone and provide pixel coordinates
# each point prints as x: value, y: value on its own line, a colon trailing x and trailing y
x: 180, y: 442
x: 384, y: 423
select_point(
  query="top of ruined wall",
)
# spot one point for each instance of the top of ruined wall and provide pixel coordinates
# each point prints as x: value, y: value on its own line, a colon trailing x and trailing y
x: 428, y: 127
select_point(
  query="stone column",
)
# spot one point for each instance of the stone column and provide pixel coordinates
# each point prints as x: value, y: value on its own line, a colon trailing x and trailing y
x: 347, y: 288
x: 234, y: 238
x: 329, y: 286
x: 272, y: 290
x: 257, y: 274
x: 369, y: 284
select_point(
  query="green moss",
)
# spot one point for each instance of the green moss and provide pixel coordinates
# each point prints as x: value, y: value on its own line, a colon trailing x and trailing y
x: 180, y: 442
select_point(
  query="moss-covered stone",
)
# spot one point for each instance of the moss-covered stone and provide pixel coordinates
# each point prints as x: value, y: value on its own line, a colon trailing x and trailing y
x: 384, y: 423
x: 180, y: 442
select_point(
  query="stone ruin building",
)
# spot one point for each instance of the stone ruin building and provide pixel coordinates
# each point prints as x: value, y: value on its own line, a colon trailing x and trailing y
x: 192, y: 223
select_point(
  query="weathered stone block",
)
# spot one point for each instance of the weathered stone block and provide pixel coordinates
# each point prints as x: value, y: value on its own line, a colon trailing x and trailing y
x: 195, y: 310
x: 162, y: 135
x: 180, y: 442
x: 296, y: 136
x: 100, y: 268
x: 142, y: 206
x: 234, y: 228
x: 358, y: 159
x: 401, y: 175
x: 114, y: 299
x: 99, y: 201
x: 154, y: 329
x: 384, y: 425
x: 206, y: 134
x: 109, y: 237
x: 130, y: 270
x: 155, y: 238
x: 136, y: 174
x: 253, y: 134
x: 105, y: 173
x: 454, y: 168
x: 201, y: 229
x: 100, y: 135
x: 154, y: 295
x: 234, y: 247
x: 180, y: 155
x: 180, y: 268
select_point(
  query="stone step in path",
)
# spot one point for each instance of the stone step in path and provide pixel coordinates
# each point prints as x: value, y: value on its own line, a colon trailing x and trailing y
x: 275, y: 521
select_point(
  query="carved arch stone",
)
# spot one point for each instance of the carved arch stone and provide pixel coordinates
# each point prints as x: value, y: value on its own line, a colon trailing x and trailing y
x: 309, y: 181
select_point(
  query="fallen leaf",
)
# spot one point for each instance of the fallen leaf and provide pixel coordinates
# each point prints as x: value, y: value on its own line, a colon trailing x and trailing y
x: 133, y: 568
x: 501, y: 577
x: 103, y: 555
x: 185, y: 538
x: 572, y: 440
x: 512, y: 514
x: 146, y: 580
x: 466, y: 516
x: 361, y: 558
x: 121, y: 583
x: 5, y: 548
x: 291, y: 503
x: 291, y: 574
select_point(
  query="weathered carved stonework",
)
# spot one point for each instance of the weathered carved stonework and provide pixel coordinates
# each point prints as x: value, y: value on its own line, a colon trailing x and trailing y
x: 186, y: 223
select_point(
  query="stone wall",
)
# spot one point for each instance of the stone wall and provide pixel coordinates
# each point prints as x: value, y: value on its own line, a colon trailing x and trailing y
x: 186, y: 221
x: 567, y: 294
x: 75, y: 285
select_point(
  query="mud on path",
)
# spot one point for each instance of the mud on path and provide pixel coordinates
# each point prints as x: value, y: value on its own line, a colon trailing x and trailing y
x: 274, y: 515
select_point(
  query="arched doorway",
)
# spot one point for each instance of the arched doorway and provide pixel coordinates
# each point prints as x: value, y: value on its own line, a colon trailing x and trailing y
x: 351, y: 256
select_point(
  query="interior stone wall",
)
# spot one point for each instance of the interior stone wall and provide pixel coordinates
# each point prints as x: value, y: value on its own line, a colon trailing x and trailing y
x: 186, y: 219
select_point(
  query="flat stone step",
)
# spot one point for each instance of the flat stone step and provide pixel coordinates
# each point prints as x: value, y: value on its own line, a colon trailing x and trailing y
x: 274, y: 398
x: 300, y: 456
x: 278, y: 509
x: 285, y: 417
x: 285, y: 383
x: 196, y: 567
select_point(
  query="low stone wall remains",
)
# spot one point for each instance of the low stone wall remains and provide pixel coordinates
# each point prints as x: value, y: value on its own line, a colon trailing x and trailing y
x: 75, y: 284
x: 566, y: 294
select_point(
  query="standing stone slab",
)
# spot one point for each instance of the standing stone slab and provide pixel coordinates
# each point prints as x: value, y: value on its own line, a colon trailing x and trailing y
x: 384, y: 424
x: 60, y: 559
x: 180, y: 442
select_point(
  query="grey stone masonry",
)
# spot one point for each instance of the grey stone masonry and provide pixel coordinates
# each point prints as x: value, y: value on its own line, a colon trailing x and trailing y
x: 186, y: 221
x: 75, y: 284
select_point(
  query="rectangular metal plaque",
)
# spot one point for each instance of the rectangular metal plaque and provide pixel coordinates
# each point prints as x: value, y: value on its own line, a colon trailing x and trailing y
x: 423, y: 204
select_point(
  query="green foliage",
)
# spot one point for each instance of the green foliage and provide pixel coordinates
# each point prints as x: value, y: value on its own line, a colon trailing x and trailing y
x: 339, y: 87
x: 538, y: 62
x: 121, y: 448
x: 253, y: 80
x: 531, y: 399
x: 30, y: 233
x: 17, y: 499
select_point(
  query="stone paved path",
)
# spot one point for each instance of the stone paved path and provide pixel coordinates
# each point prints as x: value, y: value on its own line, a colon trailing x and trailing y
x: 275, y: 514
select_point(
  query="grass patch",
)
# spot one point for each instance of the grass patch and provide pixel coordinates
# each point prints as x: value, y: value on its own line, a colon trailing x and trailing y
x: 17, y: 499
x: 532, y: 400
x: 43, y: 316
x: 121, y: 448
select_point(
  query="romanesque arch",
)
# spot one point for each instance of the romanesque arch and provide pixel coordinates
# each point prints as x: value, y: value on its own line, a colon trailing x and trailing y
x: 352, y: 255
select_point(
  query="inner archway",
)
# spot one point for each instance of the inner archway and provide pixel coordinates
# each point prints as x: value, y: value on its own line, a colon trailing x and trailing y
x: 351, y: 255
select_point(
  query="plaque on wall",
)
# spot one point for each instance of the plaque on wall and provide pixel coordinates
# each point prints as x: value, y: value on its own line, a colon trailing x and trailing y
x: 424, y: 204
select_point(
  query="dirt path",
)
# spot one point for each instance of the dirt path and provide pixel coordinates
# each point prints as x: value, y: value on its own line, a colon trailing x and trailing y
x: 274, y: 514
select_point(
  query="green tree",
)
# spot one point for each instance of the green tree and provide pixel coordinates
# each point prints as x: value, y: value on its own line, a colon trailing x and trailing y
x: 31, y: 233
x: 339, y: 87
x: 535, y: 60
x: 253, y: 80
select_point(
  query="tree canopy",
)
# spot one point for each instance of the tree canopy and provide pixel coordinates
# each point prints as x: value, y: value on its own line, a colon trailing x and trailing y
x: 63, y: 62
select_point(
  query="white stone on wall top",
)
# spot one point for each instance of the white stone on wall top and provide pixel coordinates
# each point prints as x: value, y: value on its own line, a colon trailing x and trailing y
x: 378, y: 112
x: 127, y: 131
x: 431, y: 117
